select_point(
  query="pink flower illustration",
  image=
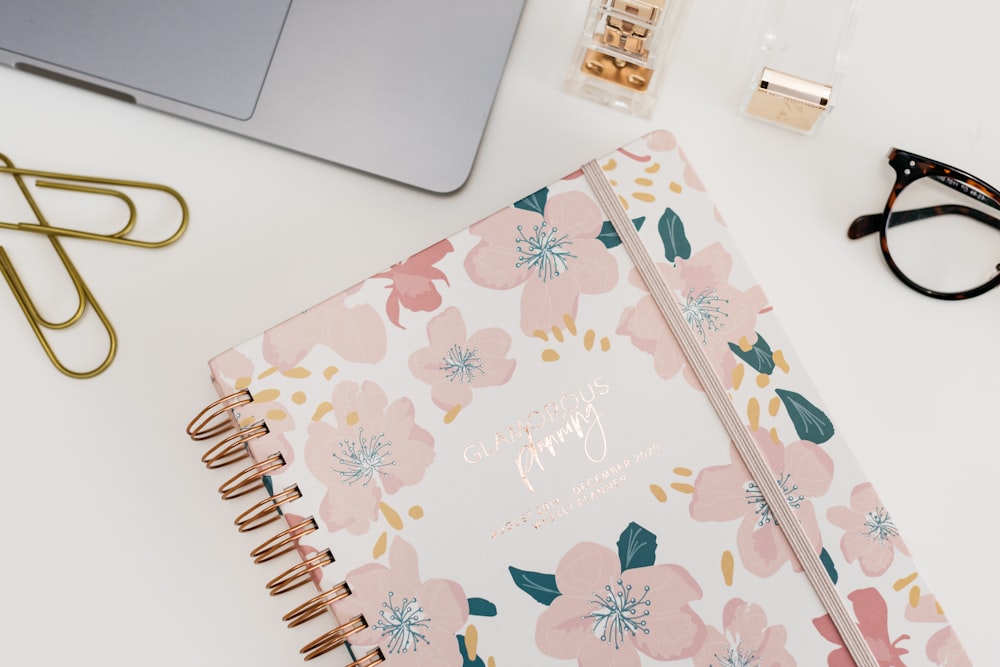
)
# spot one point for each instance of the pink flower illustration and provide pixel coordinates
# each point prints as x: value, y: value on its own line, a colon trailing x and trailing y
x: 374, y: 447
x: 745, y: 639
x: 927, y: 610
x: 873, y: 621
x: 356, y: 333
x: 945, y: 650
x: 234, y: 366
x: 727, y: 493
x: 454, y: 364
x: 691, y: 178
x: 660, y: 141
x: 555, y: 257
x: 718, y: 216
x: 870, y: 536
x: 413, y: 285
x: 717, y: 312
x: 608, y: 617
x: 414, y: 621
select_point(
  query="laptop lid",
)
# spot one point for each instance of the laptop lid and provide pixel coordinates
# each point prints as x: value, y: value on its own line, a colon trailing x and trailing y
x: 395, y: 88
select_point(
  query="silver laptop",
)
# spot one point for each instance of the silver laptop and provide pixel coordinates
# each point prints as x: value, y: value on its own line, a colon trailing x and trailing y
x: 397, y: 88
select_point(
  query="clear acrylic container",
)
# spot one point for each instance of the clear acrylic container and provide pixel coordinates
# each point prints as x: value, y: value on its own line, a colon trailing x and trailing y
x: 799, y: 61
x: 624, y: 51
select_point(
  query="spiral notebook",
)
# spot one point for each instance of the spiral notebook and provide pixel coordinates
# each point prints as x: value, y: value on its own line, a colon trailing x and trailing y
x: 573, y: 433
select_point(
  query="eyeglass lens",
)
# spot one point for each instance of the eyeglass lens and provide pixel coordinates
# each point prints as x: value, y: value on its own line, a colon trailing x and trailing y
x: 943, y: 236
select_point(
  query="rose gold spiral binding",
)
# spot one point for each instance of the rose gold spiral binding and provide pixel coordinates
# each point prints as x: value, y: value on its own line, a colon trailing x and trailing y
x: 251, y: 479
x: 266, y: 510
x: 374, y: 657
x: 233, y: 448
x: 284, y: 541
x: 299, y: 574
x: 334, y: 638
x: 316, y: 606
x: 202, y: 426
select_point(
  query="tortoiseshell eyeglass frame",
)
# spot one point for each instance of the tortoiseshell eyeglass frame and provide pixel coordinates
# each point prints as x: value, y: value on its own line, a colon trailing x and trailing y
x: 910, y: 167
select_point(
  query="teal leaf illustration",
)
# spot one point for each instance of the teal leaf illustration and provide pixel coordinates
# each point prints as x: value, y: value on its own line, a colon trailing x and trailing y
x: 609, y: 237
x: 675, y: 242
x: 759, y: 357
x: 466, y: 662
x: 810, y: 422
x: 636, y: 547
x: 534, y: 202
x: 831, y: 570
x: 540, y: 586
x: 481, y: 607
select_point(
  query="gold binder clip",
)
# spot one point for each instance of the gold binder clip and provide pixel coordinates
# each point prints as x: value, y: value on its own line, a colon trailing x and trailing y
x: 625, y: 30
x: 87, y: 185
x: 630, y: 26
x: 789, y: 100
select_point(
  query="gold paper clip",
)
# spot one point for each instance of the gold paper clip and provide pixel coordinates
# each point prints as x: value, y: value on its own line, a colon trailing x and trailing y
x: 88, y: 185
x: 38, y: 323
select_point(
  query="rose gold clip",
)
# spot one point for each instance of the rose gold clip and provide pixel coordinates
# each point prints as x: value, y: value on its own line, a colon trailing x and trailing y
x: 789, y: 100
x: 234, y: 447
x: 334, y: 638
x: 213, y: 420
x: 85, y: 299
x: 267, y: 510
x: 316, y: 606
x: 252, y: 478
x: 371, y: 658
x: 299, y: 574
x: 284, y: 541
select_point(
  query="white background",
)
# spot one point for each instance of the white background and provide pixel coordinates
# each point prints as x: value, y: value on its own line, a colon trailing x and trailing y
x: 116, y: 549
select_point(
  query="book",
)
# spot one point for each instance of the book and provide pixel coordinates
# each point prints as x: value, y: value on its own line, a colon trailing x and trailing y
x: 573, y: 433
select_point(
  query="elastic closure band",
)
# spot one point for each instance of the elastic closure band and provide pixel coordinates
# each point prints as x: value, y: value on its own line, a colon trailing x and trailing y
x: 744, y: 442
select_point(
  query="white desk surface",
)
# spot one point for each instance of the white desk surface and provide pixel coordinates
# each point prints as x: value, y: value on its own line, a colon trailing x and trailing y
x: 116, y: 549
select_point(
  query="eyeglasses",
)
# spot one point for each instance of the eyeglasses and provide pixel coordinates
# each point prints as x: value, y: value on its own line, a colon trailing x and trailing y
x: 940, y: 230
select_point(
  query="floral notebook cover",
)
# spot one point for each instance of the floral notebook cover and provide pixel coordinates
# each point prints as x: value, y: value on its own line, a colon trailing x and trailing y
x: 513, y: 464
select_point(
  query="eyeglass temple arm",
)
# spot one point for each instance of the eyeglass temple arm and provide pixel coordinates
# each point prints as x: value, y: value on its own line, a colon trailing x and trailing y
x: 869, y: 224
